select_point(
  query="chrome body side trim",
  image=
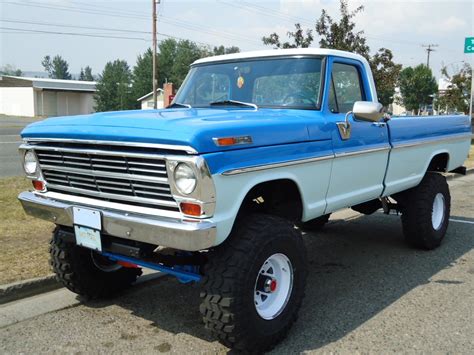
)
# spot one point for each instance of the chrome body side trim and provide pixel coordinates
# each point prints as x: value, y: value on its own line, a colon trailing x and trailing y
x: 431, y: 140
x: 277, y: 165
x: 190, y: 235
x: 347, y: 154
x: 360, y: 152
x: 187, y: 149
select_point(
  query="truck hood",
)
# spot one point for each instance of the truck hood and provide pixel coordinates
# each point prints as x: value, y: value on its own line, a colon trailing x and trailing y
x: 190, y: 127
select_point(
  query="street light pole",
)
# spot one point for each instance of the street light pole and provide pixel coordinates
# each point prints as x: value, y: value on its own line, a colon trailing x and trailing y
x: 472, y: 92
x: 154, y: 3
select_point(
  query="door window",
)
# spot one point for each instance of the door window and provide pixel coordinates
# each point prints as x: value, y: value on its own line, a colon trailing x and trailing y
x: 346, y: 88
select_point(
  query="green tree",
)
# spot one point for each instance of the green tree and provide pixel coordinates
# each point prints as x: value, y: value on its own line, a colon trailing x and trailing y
x: 342, y: 35
x: 114, y: 88
x: 417, y: 86
x: 11, y: 70
x: 225, y: 50
x: 385, y: 73
x: 174, y: 59
x: 57, y: 68
x: 299, y: 39
x: 186, y: 53
x: 458, y: 93
x: 143, y: 74
x: 166, y: 55
x: 88, y: 74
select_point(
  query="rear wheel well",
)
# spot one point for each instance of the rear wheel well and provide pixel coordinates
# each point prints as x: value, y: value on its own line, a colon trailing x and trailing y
x: 439, y: 163
x: 278, y: 197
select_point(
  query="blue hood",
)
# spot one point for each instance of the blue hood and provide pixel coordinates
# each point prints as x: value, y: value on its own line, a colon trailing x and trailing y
x: 191, y: 127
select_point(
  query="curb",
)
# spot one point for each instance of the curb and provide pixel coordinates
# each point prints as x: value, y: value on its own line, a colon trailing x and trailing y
x: 27, y: 288
x: 22, y: 289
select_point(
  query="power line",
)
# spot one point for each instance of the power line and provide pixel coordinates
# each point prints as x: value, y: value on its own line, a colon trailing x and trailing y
x: 98, y: 28
x: 72, y: 26
x: 72, y: 33
x: 174, y: 22
x: 245, y: 5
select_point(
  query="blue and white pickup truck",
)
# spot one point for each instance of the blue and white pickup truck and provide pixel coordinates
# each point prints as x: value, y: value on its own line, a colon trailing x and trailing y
x: 216, y: 188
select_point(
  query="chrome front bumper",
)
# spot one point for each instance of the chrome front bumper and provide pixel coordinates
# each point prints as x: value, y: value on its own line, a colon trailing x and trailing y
x: 164, y: 231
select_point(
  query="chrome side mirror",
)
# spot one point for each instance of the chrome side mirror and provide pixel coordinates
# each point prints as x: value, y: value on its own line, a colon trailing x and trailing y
x: 367, y: 111
x: 364, y: 111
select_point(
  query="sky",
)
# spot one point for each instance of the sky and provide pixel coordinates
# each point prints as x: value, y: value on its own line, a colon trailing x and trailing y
x: 124, y: 28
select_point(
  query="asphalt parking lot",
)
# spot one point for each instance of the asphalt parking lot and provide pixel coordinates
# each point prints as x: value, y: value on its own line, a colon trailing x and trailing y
x: 10, y: 128
x: 367, y: 292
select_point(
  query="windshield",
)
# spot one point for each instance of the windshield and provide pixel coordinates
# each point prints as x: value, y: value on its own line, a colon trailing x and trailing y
x: 276, y: 82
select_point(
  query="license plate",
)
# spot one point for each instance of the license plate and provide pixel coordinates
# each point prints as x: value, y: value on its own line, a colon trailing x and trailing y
x: 87, y: 227
x: 88, y: 237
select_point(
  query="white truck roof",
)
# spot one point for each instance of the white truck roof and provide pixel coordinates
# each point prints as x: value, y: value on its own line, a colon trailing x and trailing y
x: 294, y: 52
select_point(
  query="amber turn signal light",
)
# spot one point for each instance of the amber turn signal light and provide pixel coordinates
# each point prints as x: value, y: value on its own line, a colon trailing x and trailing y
x: 227, y: 141
x: 190, y: 209
x: 38, y: 185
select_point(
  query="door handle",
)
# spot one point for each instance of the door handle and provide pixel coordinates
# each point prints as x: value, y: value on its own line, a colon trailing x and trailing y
x: 379, y: 124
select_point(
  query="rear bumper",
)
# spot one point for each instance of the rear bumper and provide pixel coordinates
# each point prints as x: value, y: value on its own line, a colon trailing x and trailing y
x: 164, y: 231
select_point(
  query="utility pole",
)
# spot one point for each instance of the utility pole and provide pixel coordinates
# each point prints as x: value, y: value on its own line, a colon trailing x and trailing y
x: 429, y: 49
x: 154, y: 3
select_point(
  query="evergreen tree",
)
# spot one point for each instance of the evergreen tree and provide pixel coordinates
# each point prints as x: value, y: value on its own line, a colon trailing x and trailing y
x: 88, y: 74
x: 58, y: 68
x: 82, y: 75
x: 143, y: 74
x: 114, y: 88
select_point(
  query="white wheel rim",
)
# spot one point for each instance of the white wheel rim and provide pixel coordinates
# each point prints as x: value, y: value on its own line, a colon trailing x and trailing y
x: 437, y: 216
x: 276, y: 274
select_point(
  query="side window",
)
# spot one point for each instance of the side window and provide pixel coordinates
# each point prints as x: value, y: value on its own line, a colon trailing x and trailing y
x: 346, y: 88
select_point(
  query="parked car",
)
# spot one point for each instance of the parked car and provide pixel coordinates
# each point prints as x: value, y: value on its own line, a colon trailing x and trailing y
x: 210, y: 189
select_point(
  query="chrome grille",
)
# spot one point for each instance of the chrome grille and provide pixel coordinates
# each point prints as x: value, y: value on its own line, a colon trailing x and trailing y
x: 130, y: 178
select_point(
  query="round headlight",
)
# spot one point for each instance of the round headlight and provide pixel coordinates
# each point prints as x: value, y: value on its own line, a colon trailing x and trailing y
x: 184, y: 178
x: 30, y: 164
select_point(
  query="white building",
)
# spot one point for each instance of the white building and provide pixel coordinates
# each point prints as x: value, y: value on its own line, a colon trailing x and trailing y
x: 22, y: 96
x: 146, y: 101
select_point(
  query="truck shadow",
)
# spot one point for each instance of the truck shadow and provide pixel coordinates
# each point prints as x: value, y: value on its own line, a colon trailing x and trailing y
x: 357, y: 269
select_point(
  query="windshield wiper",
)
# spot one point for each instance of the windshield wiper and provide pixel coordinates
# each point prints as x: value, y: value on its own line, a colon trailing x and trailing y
x: 232, y: 103
x: 177, y: 104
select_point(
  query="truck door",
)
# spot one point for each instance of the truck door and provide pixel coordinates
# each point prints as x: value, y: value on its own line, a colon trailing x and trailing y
x: 361, y: 158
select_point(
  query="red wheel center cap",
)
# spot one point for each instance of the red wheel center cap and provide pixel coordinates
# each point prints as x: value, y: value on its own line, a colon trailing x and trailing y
x: 273, y: 285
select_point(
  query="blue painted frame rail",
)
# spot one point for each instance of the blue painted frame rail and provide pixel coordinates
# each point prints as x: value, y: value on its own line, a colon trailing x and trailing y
x: 183, y: 275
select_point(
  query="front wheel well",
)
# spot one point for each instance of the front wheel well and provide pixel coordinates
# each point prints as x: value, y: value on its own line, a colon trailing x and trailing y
x: 277, y: 197
x: 439, y: 163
